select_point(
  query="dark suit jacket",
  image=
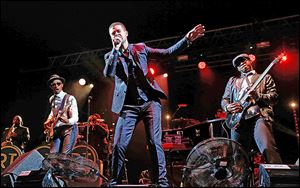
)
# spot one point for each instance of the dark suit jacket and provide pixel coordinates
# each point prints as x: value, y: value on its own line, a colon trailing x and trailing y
x: 22, y: 136
x: 116, y: 67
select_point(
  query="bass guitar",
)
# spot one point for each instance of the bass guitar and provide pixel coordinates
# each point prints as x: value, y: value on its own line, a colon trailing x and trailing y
x: 232, y: 119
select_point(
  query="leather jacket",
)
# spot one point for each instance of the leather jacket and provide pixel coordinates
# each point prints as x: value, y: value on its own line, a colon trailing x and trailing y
x: 267, y: 95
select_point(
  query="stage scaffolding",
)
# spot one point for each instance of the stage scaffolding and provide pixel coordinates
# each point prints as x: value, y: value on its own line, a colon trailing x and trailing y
x: 217, y: 48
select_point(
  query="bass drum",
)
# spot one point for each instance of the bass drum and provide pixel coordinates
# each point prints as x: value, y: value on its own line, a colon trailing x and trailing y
x: 80, y: 149
x: 9, y: 153
x: 86, y: 151
x: 44, y: 150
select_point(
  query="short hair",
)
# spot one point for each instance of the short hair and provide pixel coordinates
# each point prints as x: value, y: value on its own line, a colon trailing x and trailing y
x: 117, y: 23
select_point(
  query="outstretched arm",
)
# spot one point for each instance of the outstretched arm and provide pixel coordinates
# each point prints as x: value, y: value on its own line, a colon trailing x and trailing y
x: 197, y: 32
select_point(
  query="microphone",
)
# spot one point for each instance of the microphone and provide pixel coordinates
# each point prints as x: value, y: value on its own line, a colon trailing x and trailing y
x: 90, y: 97
x: 182, y: 105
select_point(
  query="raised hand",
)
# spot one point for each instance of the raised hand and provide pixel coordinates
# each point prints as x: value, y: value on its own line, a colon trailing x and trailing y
x: 195, y: 33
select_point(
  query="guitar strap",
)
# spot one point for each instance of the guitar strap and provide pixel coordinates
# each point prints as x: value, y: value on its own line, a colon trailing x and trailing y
x: 62, y: 105
x: 248, y: 82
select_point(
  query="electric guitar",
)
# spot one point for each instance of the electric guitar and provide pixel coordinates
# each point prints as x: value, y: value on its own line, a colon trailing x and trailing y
x: 49, y: 126
x: 232, y: 119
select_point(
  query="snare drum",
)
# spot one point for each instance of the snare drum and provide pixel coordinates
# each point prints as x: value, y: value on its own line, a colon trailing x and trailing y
x: 44, y: 150
x: 9, y: 153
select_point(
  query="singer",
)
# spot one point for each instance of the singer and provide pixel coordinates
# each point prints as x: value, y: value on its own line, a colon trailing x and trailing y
x: 137, y: 96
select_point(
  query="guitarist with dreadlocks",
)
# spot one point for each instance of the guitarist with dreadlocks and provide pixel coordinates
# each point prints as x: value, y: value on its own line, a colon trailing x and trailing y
x: 61, y: 125
x: 254, y: 120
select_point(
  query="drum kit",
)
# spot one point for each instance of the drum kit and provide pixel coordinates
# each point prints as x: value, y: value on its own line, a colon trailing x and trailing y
x: 10, y: 152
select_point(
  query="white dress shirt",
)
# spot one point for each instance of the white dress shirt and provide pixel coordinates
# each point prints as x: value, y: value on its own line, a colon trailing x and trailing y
x: 244, y: 85
x: 71, y: 104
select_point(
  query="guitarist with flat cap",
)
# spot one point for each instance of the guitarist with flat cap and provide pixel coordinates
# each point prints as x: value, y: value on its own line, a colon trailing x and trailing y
x: 61, y: 124
x: 248, y: 102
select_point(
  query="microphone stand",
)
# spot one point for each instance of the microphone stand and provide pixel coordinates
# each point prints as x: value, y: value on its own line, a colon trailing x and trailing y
x: 88, y: 127
x: 174, y: 115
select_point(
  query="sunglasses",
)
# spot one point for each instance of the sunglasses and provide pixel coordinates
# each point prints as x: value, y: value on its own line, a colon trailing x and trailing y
x: 240, y: 60
x: 57, y: 83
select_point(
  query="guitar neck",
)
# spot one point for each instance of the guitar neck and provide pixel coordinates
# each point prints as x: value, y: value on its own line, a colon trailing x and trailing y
x: 260, y: 78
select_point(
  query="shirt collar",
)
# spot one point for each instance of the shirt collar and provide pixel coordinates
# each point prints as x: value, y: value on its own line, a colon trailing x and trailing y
x: 60, y: 94
x: 249, y: 73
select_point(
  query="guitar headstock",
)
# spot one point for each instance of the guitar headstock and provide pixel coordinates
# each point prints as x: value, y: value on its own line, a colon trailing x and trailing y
x: 281, y: 57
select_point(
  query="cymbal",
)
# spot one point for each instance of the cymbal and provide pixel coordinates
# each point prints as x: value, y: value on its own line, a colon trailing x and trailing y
x: 213, y: 120
x: 183, y: 122
x: 79, y: 136
x: 205, y: 122
x: 100, y: 120
x: 82, y: 124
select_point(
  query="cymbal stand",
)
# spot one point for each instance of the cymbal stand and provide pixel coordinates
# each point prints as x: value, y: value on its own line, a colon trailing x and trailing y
x: 88, y: 127
x: 173, y: 116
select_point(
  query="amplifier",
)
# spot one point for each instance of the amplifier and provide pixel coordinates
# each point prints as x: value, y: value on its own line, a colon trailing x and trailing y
x: 278, y: 175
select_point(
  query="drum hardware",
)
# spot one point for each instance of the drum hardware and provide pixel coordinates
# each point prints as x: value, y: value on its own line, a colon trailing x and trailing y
x: 9, y: 153
x: 78, y: 150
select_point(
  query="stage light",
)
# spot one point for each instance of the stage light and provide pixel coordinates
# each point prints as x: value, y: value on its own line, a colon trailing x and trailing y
x: 293, y: 104
x: 284, y: 58
x: 182, y: 58
x: 82, y: 81
x: 201, y: 65
x: 168, y: 116
x: 165, y: 75
x: 152, y: 71
x: 263, y: 44
x: 91, y: 85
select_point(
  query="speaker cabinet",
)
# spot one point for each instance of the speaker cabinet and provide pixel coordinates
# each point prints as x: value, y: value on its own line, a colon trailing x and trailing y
x: 278, y: 175
x: 26, y: 162
x: 38, y: 178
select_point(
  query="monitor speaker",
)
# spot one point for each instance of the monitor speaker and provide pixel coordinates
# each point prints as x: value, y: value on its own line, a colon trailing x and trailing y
x: 278, y: 175
x: 39, y: 178
x: 29, y: 161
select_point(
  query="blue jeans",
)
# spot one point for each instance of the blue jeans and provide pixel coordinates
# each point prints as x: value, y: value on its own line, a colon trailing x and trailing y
x: 65, y: 139
x: 150, y: 113
x: 263, y: 136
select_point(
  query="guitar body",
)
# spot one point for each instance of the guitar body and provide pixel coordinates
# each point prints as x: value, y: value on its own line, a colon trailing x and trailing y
x: 50, y: 129
x: 50, y: 126
x: 233, y: 119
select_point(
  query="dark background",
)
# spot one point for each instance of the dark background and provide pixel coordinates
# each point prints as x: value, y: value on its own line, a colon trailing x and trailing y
x: 32, y: 31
